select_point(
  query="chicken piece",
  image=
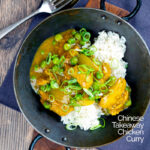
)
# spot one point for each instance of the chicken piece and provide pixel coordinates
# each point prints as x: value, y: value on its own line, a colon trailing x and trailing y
x: 83, y: 79
x: 87, y: 61
x: 60, y: 96
x: 86, y: 102
x: 42, y: 81
x: 43, y: 95
x: 114, y: 101
x: 106, y: 72
x: 58, y: 108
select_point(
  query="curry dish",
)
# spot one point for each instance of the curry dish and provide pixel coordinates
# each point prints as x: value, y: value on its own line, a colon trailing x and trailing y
x: 66, y: 75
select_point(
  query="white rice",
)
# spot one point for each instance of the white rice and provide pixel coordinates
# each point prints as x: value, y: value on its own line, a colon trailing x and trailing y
x: 110, y: 49
x: 85, y: 118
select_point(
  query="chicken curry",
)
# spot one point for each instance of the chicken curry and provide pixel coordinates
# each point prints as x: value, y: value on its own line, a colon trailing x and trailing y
x: 66, y: 74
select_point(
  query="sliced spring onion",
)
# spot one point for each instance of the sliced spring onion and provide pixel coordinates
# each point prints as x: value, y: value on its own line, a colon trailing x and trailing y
x: 97, y: 62
x: 103, y: 124
x: 48, y: 59
x: 70, y: 71
x: 67, y: 46
x: 58, y: 37
x: 55, y: 68
x: 46, y: 105
x: 65, y: 107
x: 104, y: 88
x: 82, y: 43
x: 71, y: 127
x: 86, y: 36
x: 82, y: 30
x: 88, y: 92
x: 54, y: 85
x: 72, y: 81
x: 87, y: 52
x: 51, y: 98
x: 78, y: 36
x: 111, y: 81
x: 96, y: 127
x: 93, y: 48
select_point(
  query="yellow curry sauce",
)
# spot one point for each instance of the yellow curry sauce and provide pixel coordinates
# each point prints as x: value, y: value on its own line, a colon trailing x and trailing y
x: 66, y: 75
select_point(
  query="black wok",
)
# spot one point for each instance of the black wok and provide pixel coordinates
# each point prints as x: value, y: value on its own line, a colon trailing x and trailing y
x: 138, y: 75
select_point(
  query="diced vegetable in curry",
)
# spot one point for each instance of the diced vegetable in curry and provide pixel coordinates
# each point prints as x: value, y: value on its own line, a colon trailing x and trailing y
x: 66, y: 74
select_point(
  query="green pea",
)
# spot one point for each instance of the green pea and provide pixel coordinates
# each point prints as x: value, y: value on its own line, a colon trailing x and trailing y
x: 74, y: 32
x: 36, y: 68
x: 55, y: 68
x: 46, y: 105
x: 43, y: 64
x: 67, y: 46
x: 99, y: 75
x: 54, y: 85
x: 82, y: 43
x: 58, y: 37
x: 42, y: 52
x: 78, y: 36
x: 74, y: 60
x: 128, y: 103
x: 54, y: 42
x: 56, y: 60
x: 71, y: 40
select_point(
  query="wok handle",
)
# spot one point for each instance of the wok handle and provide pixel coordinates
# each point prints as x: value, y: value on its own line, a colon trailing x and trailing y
x: 131, y: 15
x: 36, y: 139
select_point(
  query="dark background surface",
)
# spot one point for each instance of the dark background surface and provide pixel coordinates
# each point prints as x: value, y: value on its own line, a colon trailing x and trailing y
x: 142, y: 23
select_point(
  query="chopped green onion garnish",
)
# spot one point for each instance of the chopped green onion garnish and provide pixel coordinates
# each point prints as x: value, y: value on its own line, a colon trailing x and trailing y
x: 103, y: 124
x: 96, y: 127
x: 72, y: 81
x: 54, y: 85
x: 71, y: 40
x: 51, y: 98
x: 58, y: 37
x: 65, y: 107
x: 82, y: 30
x: 78, y: 36
x: 88, y: 92
x: 86, y: 36
x: 48, y: 59
x: 43, y: 64
x: 70, y: 71
x: 74, y: 60
x: 46, y: 105
x: 55, y: 68
x: 71, y: 127
x: 82, y: 43
x: 67, y: 46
